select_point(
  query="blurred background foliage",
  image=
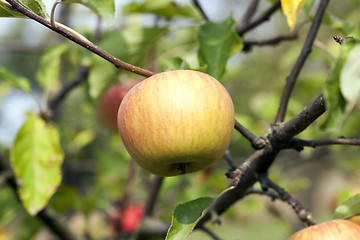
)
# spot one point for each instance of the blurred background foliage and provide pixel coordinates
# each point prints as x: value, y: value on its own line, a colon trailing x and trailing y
x: 157, y: 35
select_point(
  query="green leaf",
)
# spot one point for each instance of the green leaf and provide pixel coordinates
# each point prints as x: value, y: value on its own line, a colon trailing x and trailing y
x: 338, y: 109
x: 14, y: 79
x: 308, y: 6
x: 350, y: 78
x: 349, y: 208
x: 144, y: 42
x: 164, y: 8
x: 186, y: 216
x: 36, y: 6
x: 36, y: 158
x: 217, y: 42
x: 103, y: 8
x: 49, y: 67
x: 174, y: 63
x: 102, y: 73
x: 80, y: 140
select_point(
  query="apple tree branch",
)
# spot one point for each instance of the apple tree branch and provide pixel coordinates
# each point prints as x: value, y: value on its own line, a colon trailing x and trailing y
x: 280, y: 193
x: 80, y: 41
x: 242, y: 28
x: 307, y: 47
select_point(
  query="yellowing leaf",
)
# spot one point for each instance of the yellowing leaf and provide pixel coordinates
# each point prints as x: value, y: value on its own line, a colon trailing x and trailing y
x: 36, y: 158
x: 291, y: 9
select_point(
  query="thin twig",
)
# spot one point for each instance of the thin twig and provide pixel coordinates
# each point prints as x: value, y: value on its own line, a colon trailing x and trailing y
x: 209, y: 232
x: 298, y: 144
x: 78, y: 79
x: 272, y: 195
x: 153, y: 194
x: 248, y: 44
x: 230, y: 160
x: 197, y: 4
x: 304, y: 215
x: 80, y: 41
x: 149, y: 207
x: 291, y: 79
x: 241, y: 30
x: 126, y: 194
x: 250, y: 12
x: 256, y: 142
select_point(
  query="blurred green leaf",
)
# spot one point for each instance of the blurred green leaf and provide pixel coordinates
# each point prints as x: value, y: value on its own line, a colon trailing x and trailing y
x: 336, y: 103
x: 348, y: 208
x: 37, y: 6
x: 65, y: 198
x: 16, y: 80
x: 165, y: 8
x: 49, y: 67
x: 343, y: 27
x: 350, y: 78
x: 186, y: 216
x: 102, y: 73
x: 217, y: 42
x: 81, y: 139
x: 36, y: 158
x: 149, y: 39
x: 103, y: 8
x: 308, y: 6
x: 174, y: 63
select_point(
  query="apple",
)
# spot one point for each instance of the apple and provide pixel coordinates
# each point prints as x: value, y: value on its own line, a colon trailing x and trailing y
x: 355, y: 219
x: 109, y: 103
x: 338, y: 229
x: 131, y: 218
x: 176, y: 122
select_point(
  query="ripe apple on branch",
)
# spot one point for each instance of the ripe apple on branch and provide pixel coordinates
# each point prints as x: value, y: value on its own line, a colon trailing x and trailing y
x: 176, y: 122
x: 338, y: 229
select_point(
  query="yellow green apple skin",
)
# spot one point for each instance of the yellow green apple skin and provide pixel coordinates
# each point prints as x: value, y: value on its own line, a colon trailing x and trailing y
x: 176, y: 122
x: 338, y: 229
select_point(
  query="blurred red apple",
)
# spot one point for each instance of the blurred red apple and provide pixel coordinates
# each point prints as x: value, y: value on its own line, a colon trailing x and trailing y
x: 338, y: 229
x: 131, y: 218
x: 176, y: 122
x: 109, y: 103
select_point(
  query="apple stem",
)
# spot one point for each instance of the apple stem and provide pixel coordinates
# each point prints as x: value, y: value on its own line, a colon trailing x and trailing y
x: 182, y: 168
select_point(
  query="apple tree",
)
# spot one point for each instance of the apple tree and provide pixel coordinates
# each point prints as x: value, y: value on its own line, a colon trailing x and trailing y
x: 288, y: 71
